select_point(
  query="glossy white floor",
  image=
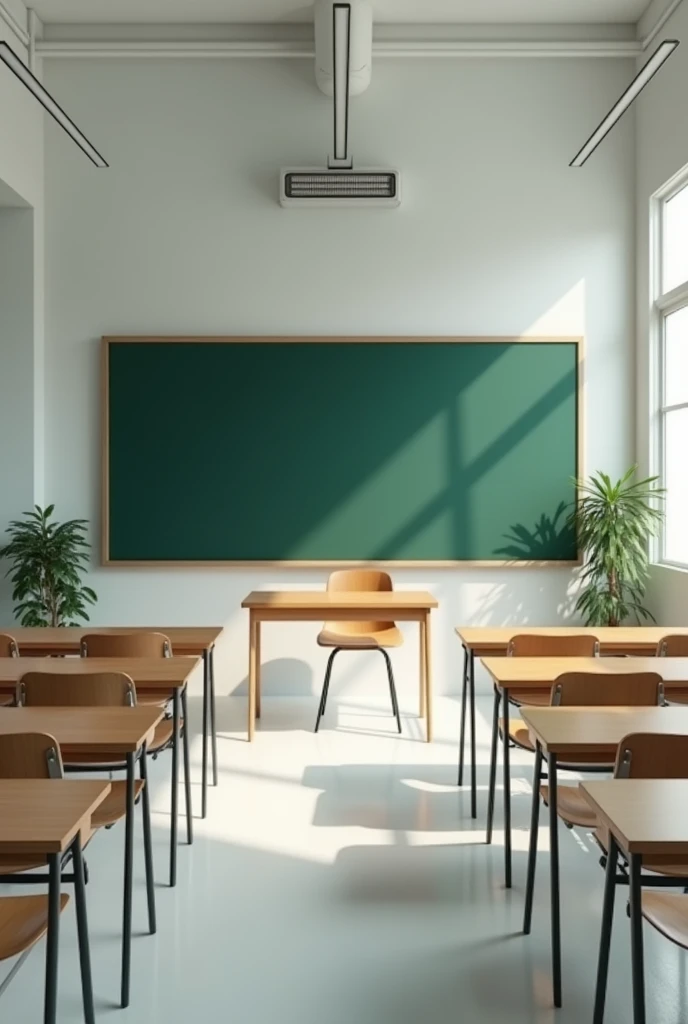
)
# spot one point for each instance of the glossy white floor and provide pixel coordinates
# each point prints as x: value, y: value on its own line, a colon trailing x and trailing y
x: 339, y: 878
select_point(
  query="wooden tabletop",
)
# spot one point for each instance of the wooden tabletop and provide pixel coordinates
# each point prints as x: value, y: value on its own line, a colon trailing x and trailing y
x: 495, y: 640
x: 147, y: 673
x: 540, y: 673
x: 41, y: 816
x: 645, y: 815
x: 570, y: 731
x: 325, y: 601
x: 87, y: 730
x: 67, y: 639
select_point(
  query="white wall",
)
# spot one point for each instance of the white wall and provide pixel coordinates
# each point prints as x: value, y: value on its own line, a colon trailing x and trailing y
x: 184, y: 235
x: 662, y: 150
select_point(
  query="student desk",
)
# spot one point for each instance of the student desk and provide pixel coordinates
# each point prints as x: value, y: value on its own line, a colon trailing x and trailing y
x: 119, y: 733
x: 482, y: 641
x: 541, y: 673
x: 352, y: 606
x: 195, y: 640
x: 149, y: 674
x: 45, y: 818
x: 644, y: 819
x: 562, y: 735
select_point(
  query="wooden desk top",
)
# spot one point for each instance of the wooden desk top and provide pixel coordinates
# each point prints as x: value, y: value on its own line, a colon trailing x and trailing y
x: 326, y: 602
x: 148, y: 673
x: 571, y: 731
x: 87, y: 730
x: 495, y: 640
x: 41, y: 816
x: 540, y: 673
x: 67, y: 639
x: 645, y: 815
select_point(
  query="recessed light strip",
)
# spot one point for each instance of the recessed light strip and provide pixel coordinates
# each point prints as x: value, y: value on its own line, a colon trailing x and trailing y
x: 648, y: 71
x: 19, y: 68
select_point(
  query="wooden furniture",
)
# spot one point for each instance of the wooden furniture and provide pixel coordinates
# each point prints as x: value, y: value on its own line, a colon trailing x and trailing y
x: 645, y: 823
x: 8, y: 649
x: 569, y: 735
x: 486, y: 641
x: 316, y: 605
x: 119, y: 733
x: 198, y: 641
x: 41, y: 818
x: 358, y: 636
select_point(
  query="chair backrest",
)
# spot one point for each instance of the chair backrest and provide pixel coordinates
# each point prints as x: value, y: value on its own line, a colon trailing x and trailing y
x: 539, y: 645
x: 96, y: 689
x: 29, y: 755
x: 673, y: 646
x: 8, y: 646
x: 126, y: 645
x: 372, y: 580
x: 593, y: 689
x: 652, y: 756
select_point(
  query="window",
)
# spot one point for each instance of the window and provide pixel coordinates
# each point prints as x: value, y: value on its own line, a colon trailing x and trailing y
x: 671, y: 317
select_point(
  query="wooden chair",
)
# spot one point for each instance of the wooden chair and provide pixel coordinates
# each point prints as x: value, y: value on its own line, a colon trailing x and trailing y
x: 359, y: 636
x: 675, y: 645
x: 8, y: 649
x: 23, y: 922
x: 148, y: 644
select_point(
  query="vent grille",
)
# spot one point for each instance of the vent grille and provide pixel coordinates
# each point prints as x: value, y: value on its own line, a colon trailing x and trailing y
x: 341, y: 185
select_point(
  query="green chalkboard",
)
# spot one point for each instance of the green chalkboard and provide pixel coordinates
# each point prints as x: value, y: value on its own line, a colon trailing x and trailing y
x: 326, y: 450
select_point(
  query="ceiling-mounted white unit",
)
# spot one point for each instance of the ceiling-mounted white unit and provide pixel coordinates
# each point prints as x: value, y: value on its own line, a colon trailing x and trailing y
x: 340, y: 184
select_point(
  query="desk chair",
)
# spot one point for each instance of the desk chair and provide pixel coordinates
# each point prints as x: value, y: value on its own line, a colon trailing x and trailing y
x: 359, y: 636
x: 8, y: 649
x: 23, y: 922
x: 674, y: 646
x: 584, y: 689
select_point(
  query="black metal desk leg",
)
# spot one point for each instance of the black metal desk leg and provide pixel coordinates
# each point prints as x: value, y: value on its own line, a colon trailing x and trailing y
x: 532, y: 848
x: 213, y: 726
x: 493, y: 766
x: 187, y: 770
x: 204, y: 730
x: 82, y: 929
x: 53, y: 941
x: 148, y: 841
x: 474, y: 802
x: 175, y: 788
x: 554, y: 879
x: 128, y: 880
x: 637, y: 963
x: 606, y: 934
x: 507, y: 790
x: 462, y: 731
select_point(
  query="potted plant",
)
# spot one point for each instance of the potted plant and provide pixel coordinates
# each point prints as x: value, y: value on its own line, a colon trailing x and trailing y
x: 48, y: 560
x: 614, y: 524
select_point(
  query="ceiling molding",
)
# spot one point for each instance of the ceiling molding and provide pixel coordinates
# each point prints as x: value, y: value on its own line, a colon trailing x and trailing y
x: 654, y: 20
x: 13, y: 24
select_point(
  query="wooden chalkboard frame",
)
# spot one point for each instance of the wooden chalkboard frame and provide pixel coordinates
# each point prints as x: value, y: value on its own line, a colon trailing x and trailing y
x: 106, y: 341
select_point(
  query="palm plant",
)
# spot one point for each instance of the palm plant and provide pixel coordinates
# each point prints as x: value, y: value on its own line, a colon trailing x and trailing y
x: 48, y: 560
x: 614, y: 524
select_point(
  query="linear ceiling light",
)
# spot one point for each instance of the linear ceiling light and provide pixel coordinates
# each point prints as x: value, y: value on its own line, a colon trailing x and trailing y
x: 19, y: 68
x: 648, y: 71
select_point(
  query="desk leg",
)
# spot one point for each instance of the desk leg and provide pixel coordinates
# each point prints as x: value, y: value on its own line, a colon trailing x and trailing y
x: 252, y: 673
x: 606, y: 936
x: 474, y: 795
x: 175, y: 788
x: 258, y: 669
x: 637, y: 964
x: 532, y: 846
x: 187, y: 769
x: 507, y: 790
x: 213, y: 716
x: 206, y: 718
x: 493, y: 765
x: 428, y: 677
x: 53, y: 940
x: 462, y: 731
x: 128, y: 881
x: 554, y: 878
x: 82, y: 929
x: 148, y: 841
x: 423, y: 668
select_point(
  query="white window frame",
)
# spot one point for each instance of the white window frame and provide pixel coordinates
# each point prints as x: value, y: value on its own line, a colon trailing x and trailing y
x: 663, y: 305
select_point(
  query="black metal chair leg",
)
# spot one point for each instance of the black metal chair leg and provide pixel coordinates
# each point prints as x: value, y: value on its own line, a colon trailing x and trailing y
x: 606, y: 934
x: 326, y: 687
x: 493, y: 766
x: 187, y: 769
x: 82, y: 929
x: 532, y: 847
x: 392, y: 688
x: 148, y: 843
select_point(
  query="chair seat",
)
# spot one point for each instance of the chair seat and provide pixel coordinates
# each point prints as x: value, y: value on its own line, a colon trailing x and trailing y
x: 6, y: 700
x: 668, y: 913
x: 391, y: 636
x: 530, y: 698
x: 153, y: 698
x: 114, y: 806
x: 572, y: 806
x: 23, y: 921
x: 163, y: 735
x: 518, y: 733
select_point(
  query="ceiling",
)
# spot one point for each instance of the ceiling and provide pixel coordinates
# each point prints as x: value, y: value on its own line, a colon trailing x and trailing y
x: 409, y: 11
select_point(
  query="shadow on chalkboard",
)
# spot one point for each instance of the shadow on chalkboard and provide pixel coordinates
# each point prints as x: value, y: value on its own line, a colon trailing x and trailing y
x: 551, y: 538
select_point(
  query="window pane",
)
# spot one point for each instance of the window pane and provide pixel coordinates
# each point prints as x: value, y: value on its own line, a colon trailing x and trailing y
x: 675, y: 262
x: 676, y: 357
x: 676, y: 483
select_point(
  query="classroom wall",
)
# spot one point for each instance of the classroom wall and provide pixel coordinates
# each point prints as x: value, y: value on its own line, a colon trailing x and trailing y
x: 661, y: 151
x: 496, y: 235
